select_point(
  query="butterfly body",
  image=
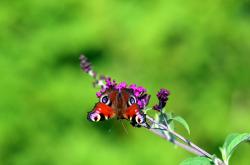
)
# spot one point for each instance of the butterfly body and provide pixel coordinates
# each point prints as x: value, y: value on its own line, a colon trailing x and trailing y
x: 121, y: 104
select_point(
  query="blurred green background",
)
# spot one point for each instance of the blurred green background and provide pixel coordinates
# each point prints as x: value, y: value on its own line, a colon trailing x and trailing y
x: 199, y: 50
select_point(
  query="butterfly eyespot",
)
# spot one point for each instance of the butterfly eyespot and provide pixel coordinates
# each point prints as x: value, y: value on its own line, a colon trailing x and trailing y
x: 105, y: 99
x: 95, y: 117
x: 139, y: 119
x: 131, y: 100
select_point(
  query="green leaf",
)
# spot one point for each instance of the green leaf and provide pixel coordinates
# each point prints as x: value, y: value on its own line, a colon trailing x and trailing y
x: 197, y: 161
x: 163, y: 118
x: 170, y: 122
x: 181, y: 121
x: 231, y: 142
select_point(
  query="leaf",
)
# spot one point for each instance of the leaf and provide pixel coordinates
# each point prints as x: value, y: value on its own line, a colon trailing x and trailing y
x: 181, y: 121
x: 170, y: 122
x: 163, y: 119
x: 231, y: 142
x: 197, y: 161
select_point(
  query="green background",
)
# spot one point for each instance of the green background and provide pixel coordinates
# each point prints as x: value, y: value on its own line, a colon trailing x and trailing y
x: 199, y: 50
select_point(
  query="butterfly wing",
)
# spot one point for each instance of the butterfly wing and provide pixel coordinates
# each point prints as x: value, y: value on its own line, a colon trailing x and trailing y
x: 100, y: 112
x: 133, y: 111
x: 135, y: 115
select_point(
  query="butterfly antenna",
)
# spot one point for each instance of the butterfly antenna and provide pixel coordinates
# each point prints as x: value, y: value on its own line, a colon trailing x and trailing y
x: 124, y: 127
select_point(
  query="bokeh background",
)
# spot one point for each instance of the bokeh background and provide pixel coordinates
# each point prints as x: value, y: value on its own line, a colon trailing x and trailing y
x: 199, y: 50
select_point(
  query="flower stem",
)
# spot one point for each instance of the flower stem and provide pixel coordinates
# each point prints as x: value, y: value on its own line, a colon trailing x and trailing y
x: 187, y: 145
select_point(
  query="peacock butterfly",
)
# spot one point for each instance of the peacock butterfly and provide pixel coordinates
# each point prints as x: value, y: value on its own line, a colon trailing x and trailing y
x: 120, y: 103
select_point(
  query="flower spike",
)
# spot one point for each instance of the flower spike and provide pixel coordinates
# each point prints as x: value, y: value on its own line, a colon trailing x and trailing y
x: 162, y: 96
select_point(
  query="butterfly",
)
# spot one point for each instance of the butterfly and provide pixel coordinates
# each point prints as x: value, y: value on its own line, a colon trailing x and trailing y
x: 121, y: 104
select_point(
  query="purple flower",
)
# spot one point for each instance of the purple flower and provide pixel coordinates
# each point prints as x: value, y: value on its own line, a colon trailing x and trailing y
x: 162, y: 96
x: 121, y: 86
x: 133, y: 86
x: 138, y: 91
x: 143, y: 101
x: 110, y: 84
x: 84, y: 63
x: 98, y: 94
x: 140, y: 94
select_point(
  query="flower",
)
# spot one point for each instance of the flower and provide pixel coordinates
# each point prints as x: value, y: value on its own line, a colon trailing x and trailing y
x: 162, y: 96
x: 109, y: 83
x: 85, y: 64
x: 98, y: 94
x: 143, y: 101
x: 140, y: 94
x: 137, y: 90
x: 133, y: 87
x: 121, y: 86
